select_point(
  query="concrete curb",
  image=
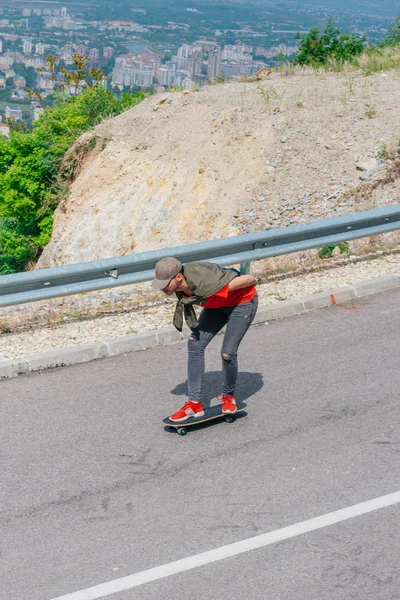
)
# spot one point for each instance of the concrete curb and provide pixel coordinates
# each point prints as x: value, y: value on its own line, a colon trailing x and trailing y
x: 169, y: 335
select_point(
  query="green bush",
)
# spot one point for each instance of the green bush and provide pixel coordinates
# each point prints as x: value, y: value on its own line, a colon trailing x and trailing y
x: 16, y: 248
x: 30, y: 180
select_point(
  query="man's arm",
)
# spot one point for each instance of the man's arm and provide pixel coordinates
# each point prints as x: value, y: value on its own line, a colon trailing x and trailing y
x: 242, y: 281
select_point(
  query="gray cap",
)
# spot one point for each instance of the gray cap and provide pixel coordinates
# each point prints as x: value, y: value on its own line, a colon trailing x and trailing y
x: 166, y: 269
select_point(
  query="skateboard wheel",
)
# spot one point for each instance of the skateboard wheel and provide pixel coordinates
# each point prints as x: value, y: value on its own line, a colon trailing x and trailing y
x: 229, y: 418
x: 182, y: 431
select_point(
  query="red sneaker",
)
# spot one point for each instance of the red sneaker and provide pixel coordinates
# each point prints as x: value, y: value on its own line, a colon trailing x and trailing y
x: 228, y: 404
x: 188, y: 410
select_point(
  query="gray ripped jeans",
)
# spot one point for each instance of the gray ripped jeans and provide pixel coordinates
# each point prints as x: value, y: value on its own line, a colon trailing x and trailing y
x: 237, y: 320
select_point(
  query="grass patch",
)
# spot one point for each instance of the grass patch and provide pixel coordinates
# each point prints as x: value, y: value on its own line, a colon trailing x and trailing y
x: 327, y: 251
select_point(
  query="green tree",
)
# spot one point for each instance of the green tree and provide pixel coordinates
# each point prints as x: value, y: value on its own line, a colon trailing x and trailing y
x: 30, y: 176
x: 316, y: 49
x: 311, y: 50
x: 393, y: 37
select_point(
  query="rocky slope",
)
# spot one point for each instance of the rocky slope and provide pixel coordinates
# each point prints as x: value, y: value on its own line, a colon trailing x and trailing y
x: 185, y: 167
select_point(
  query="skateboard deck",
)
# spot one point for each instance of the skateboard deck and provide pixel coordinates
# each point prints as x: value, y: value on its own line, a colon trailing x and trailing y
x: 210, y: 413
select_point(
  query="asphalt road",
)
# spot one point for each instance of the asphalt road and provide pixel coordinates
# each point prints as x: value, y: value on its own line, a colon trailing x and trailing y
x: 93, y: 489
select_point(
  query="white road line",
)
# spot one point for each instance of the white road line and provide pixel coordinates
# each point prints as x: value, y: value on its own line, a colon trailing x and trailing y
x: 205, y: 558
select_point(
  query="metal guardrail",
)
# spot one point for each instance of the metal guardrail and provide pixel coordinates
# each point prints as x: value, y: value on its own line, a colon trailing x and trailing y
x: 243, y: 249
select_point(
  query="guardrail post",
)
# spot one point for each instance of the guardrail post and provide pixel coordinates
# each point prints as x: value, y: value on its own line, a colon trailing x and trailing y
x: 245, y: 268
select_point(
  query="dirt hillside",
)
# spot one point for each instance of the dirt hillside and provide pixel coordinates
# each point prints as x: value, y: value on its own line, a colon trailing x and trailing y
x: 229, y: 159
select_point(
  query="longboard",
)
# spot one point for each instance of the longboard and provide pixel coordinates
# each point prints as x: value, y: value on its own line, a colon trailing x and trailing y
x: 210, y: 413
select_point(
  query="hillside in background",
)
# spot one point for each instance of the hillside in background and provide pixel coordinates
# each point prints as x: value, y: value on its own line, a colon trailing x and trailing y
x: 229, y: 159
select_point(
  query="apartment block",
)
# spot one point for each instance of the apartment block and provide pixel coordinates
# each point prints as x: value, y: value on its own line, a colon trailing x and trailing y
x: 36, y: 110
x: 19, y: 82
x: 137, y: 75
x: 27, y: 47
x: 14, y: 112
x: 214, y: 64
x: 108, y: 52
x: 81, y: 49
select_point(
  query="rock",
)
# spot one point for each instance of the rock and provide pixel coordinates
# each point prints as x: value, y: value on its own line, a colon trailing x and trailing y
x: 367, y: 164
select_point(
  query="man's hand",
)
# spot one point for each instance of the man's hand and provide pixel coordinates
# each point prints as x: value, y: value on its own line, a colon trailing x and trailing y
x: 242, y: 281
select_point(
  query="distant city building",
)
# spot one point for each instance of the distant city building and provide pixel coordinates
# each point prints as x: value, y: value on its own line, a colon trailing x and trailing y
x: 136, y: 74
x: 179, y: 77
x: 18, y: 57
x: 37, y: 62
x: 1, y: 46
x: 67, y: 58
x: 155, y: 65
x: 70, y: 25
x: 206, y: 46
x: 275, y: 50
x: 37, y: 12
x: 165, y: 76
x: 19, y: 82
x: 39, y: 49
x: 237, y: 52
x: 14, y: 112
x: 19, y: 94
x: 128, y: 26
x: 61, y: 22
x: 94, y: 54
x: 4, y: 130
x: 231, y: 69
x: 2, y: 82
x: 27, y: 47
x: 130, y: 71
x: 36, y: 110
x: 188, y: 50
x: 108, y: 52
x: 214, y: 64
x: 188, y: 83
x: 81, y: 49
x: 191, y: 64
x: 45, y: 81
x: 26, y: 12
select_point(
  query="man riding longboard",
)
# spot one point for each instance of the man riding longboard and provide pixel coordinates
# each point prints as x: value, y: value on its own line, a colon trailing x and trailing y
x: 227, y: 298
